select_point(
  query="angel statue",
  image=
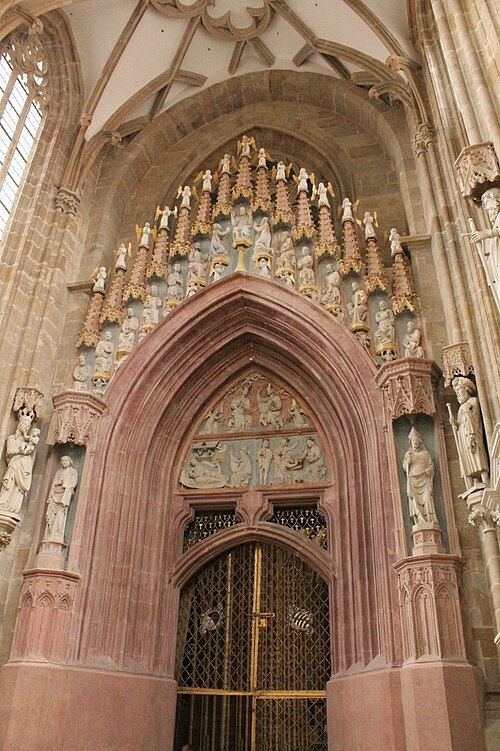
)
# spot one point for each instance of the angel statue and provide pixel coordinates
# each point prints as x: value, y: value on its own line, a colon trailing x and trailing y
x: 121, y: 256
x: 322, y: 194
x: 241, y: 220
x: 302, y: 179
x: 207, y: 181
x: 282, y: 171
x: 99, y: 274
x: 143, y: 236
x: 369, y: 221
x: 263, y: 157
x: 395, y: 241
x: 245, y: 144
x: 185, y: 192
x: 225, y: 163
x: 165, y: 215
x: 347, y: 208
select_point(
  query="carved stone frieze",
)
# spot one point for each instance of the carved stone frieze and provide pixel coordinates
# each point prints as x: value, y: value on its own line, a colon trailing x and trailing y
x: 67, y: 201
x: 457, y: 361
x: 75, y: 418
x: 476, y: 165
x: 429, y: 598
x: 408, y: 387
x: 254, y: 434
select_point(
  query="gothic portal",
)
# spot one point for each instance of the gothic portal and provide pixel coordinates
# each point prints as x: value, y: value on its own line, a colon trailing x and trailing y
x: 250, y: 479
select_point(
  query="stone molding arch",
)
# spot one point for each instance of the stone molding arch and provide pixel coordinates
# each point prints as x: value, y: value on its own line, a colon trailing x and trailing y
x: 152, y: 405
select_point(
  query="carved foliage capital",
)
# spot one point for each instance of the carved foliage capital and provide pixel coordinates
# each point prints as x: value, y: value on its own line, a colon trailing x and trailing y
x: 457, y: 361
x: 484, y: 517
x: 422, y: 138
x: 75, y: 418
x: 476, y: 165
x: 408, y: 387
x: 67, y: 201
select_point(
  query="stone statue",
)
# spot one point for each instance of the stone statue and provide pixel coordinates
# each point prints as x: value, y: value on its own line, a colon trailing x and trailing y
x: 411, y: 341
x: 419, y: 469
x: 81, y: 375
x: 488, y: 240
x: 186, y: 197
x: 100, y: 282
x: 60, y: 495
x: 468, y: 432
x: 288, y: 279
x: 347, y: 210
x: 126, y: 337
x: 165, y: 216
x: 286, y: 253
x: 241, y: 468
x: 270, y: 405
x: 297, y: 415
x: 241, y: 221
x: 282, y: 461
x: 263, y: 241
x: 245, y: 143
x: 312, y: 461
x: 330, y: 288
x: 386, y: 331
x: 264, y: 459
x: 211, y: 424
x: 322, y: 196
x: 305, y: 264
x: 262, y: 158
x: 240, y: 406
x: 368, y: 221
x: 302, y: 180
x: 226, y: 163
x: 146, y: 232
x: 394, y: 239
x: 218, y: 270
x: 103, y: 362
x: 174, y: 283
x: 204, y: 468
x: 358, y: 306
x: 216, y: 246
x: 263, y: 268
x: 121, y: 257
x: 20, y: 456
x: 207, y: 181
x: 281, y: 171
x: 197, y: 263
x: 151, y: 309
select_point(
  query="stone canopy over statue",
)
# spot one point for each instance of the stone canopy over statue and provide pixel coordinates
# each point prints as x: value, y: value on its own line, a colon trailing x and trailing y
x: 257, y: 433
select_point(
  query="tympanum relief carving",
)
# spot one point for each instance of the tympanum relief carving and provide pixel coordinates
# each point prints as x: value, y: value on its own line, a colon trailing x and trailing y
x: 256, y: 434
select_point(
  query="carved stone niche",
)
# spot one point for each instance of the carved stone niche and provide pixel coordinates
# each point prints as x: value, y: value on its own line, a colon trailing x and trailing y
x: 431, y: 614
x: 408, y: 386
x: 75, y: 418
x: 457, y: 361
x: 44, y: 614
x: 475, y: 166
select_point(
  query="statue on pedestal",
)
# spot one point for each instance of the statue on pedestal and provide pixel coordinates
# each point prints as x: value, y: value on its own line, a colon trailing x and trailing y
x: 419, y: 469
x: 81, y: 375
x: 488, y: 240
x: 468, y: 431
x: 20, y: 455
x: 60, y: 495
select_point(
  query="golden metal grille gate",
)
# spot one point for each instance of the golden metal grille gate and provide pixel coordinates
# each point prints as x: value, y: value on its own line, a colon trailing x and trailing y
x: 253, y: 654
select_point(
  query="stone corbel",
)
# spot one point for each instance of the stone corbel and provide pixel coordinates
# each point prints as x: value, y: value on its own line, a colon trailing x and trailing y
x: 76, y: 418
x: 408, y: 386
x: 457, y: 361
x: 477, y: 169
x: 67, y: 201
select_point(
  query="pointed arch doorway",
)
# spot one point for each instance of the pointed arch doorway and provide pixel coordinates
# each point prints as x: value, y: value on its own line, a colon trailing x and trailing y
x: 253, y: 654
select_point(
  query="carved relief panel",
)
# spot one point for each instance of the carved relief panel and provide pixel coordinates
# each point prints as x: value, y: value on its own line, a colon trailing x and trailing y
x: 257, y: 433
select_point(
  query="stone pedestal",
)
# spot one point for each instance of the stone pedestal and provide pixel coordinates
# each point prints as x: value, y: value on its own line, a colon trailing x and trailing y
x: 427, y: 539
x: 50, y: 555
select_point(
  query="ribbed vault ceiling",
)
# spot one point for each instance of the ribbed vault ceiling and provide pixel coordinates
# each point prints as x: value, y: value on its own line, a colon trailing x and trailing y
x: 139, y: 57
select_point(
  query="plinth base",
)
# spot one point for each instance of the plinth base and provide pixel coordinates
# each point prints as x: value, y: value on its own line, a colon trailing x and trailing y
x: 427, y: 539
x: 51, y: 555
